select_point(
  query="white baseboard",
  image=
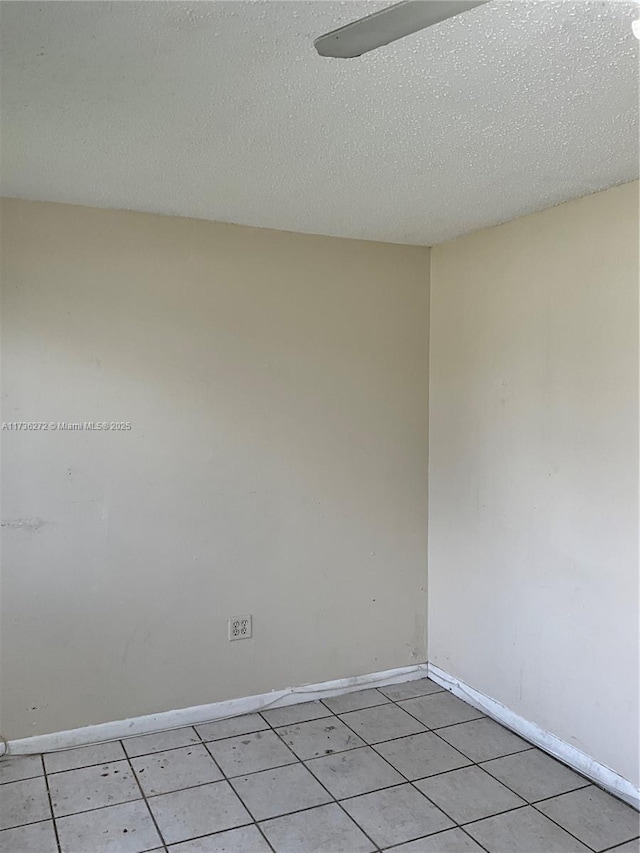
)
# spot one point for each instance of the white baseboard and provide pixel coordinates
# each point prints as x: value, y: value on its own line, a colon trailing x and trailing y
x: 560, y: 749
x: 569, y: 755
x: 205, y: 713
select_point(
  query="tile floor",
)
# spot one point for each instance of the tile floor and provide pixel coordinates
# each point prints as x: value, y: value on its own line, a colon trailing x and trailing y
x: 408, y: 767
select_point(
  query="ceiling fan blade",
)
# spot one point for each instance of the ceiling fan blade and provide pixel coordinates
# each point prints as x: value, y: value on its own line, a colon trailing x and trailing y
x: 389, y: 24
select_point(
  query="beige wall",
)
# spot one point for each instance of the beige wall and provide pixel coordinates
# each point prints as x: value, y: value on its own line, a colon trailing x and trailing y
x: 277, y: 462
x: 533, y: 519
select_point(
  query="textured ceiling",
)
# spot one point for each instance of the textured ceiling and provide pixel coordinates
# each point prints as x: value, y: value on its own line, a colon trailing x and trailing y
x: 223, y: 110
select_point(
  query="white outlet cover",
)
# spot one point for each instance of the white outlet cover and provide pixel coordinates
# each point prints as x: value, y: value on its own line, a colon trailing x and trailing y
x: 240, y: 627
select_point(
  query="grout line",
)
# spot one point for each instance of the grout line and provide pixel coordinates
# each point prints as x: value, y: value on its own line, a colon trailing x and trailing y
x: 246, y: 825
x: 305, y: 762
x: 231, y: 779
x: 469, y: 758
x: 427, y: 730
x: 332, y: 714
x: 618, y: 846
x: 53, y: 817
x: 153, y: 818
x: 326, y: 716
x: 299, y: 722
x: 26, y: 778
x: 226, y: 779
x: 417, y: 696
x: 254, y: 822
x: 432, y: 835
x: 531, y: 747
x: 84, y: 766
x: 335, y: 800
x: 568, y: 831
x: 388, y: 740
x: 521, y: 808
x: 449, y: 725
x: 384, y: 701
x: 267, y: 842
x: 551, y: 797
x: 229, y: 776
x: 480, y: 716
x: 421, y: 794
x: 477, y: 764
x: 527, y: 803
x: 183, y: 746
x: 419, y: 779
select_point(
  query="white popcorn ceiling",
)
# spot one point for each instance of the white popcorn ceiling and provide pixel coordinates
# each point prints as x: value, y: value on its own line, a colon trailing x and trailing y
x: 224, y: 111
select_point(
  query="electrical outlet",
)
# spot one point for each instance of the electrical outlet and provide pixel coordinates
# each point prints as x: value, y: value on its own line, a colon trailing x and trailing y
x: 239, y: 627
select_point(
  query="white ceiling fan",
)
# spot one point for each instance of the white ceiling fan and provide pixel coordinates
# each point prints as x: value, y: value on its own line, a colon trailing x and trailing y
x: 387, y: 25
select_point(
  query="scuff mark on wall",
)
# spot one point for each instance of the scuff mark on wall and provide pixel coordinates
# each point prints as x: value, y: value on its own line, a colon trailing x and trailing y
x: 29, y: 524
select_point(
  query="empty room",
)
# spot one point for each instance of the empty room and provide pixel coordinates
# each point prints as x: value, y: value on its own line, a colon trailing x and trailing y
x: 319, y: 476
